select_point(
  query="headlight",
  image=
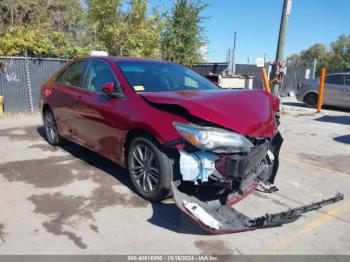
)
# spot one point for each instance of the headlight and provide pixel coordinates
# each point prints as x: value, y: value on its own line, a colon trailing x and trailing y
x: 213, y: 139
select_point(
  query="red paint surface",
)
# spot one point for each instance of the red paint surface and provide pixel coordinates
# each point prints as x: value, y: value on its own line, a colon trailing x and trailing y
x: 250, y: 113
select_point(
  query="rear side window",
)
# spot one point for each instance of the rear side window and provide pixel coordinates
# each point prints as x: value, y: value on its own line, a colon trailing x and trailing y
x: 347, y: 80
x: 334, y: 79
x: 72, y: 75
x: 98, y: 74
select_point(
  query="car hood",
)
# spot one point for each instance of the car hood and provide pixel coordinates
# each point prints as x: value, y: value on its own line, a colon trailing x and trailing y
x: 248, y: 112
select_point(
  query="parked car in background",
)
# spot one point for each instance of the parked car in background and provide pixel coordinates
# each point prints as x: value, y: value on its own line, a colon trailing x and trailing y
x: 170, y: 127
x: 336, y: 90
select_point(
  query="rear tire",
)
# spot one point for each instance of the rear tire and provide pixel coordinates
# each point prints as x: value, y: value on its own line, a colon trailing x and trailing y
x: 150, y: 168
x: 311, y: 100
x: 51, y: 131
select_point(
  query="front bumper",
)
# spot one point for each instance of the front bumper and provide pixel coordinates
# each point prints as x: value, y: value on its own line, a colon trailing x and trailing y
x: 243, y: 174
x: 235, y: 172
x: 217, y: 218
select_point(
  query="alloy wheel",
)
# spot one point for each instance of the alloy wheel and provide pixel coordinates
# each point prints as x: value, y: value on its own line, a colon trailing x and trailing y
x: 50, y: 127
x: 145, y: 168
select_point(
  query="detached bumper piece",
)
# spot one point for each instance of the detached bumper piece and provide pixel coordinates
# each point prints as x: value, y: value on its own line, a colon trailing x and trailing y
x: 217, y: 218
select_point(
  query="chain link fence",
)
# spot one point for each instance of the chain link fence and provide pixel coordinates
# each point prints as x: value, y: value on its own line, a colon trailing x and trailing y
x: 21, y: 79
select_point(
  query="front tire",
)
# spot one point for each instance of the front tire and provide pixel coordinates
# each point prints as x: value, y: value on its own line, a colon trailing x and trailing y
x: 150, y: 168
x: 51, y: 130
x: 311, y: 100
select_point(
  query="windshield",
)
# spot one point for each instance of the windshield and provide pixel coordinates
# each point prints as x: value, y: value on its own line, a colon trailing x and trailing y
x: 152, y: 76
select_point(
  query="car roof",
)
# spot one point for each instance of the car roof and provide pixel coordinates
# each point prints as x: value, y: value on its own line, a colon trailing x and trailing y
x: 125, y: 58
x: 339, y: 73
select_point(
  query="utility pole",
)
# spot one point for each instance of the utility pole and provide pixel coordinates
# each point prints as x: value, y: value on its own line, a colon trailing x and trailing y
x: 314, y: 68
x: 228, y: 53
x: 276, y: 72
x: 232, y: 65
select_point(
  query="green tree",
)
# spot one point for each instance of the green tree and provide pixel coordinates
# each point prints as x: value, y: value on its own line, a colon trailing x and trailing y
x: 132, y: 32
x: 18, y: 12
x: 141, y: 35
x: 339, y: 57
x: 183, y: 35
x: 42, y: 28
x: 21, y: 41
x: 335, y: 59
x: 105, y: 23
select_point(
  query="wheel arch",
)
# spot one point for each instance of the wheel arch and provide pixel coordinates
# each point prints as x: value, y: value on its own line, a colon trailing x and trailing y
x: 137, y: 131
x: 131, y: 134
x: 45, y: 107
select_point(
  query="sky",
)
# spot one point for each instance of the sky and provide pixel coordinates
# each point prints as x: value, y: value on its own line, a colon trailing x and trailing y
x: 257, y: 25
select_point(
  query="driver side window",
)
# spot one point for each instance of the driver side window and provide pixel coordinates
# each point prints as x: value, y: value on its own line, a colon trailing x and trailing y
x: 98, y: 74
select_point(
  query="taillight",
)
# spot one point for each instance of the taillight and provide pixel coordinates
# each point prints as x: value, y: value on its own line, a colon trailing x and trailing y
x: 47, y: 92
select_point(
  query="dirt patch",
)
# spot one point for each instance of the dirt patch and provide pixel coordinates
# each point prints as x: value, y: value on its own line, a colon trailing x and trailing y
x: 213, y: 247
x: 46, y: 147
x: 64, y: 211
x: 41, y: 173
x: 60, y: 209
x: 2, y: 232
x: 28, y: 133
x: 263, y: 195
x: 94, y: 228
x: 338, y: 163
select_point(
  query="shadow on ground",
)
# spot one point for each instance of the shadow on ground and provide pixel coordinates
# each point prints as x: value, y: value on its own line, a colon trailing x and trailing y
x: 300, y: 104
x: 343, y: 139
x: 343, y: 120
x: 95, y: 160
x: 297, y: 104
x: 169, y: 216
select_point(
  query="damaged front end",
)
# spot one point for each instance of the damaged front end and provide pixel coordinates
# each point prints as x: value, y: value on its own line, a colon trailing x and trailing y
x: 234, y: 165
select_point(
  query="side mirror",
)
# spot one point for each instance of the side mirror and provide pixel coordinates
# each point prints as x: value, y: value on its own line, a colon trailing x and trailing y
x: 109, y: 89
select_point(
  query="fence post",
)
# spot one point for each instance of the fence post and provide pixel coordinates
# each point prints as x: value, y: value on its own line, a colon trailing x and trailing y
x: 29, y: 85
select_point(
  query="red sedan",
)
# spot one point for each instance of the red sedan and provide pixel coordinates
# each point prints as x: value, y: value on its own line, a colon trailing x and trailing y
x: 170, y: 128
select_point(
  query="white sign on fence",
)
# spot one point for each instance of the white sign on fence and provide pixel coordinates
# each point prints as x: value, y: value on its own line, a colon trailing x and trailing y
x: 260, y: 62
x: 307, y: 73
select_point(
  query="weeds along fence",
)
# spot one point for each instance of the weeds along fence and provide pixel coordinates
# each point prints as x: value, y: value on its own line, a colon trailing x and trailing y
x: 21, y: 79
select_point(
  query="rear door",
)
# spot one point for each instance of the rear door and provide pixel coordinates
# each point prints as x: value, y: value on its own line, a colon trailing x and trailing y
x: 333, y: 90
x: 345, y: 98
x: 62, y: 99
x: 97, y: 120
